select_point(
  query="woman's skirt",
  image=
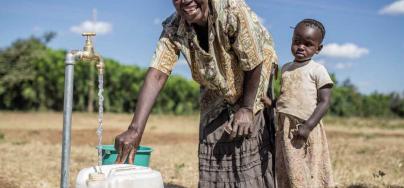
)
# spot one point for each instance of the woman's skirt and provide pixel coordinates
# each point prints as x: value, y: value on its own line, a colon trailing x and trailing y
x: 242, y: 162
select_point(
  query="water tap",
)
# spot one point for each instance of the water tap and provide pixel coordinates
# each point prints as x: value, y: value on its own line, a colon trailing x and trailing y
x: 88, y: 49
x: 88, y: 53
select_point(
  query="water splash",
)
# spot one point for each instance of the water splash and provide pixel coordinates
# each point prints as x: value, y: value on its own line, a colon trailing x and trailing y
x: 100, y: 115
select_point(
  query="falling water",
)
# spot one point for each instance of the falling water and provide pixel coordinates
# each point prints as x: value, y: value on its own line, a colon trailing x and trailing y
x: 100, y: 115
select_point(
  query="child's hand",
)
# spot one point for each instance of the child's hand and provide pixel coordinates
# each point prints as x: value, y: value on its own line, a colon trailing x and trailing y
x: 303, y: 131
x: 267, y: 101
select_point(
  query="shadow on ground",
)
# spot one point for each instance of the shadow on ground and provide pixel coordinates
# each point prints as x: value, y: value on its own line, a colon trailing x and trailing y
x: 169, y: 185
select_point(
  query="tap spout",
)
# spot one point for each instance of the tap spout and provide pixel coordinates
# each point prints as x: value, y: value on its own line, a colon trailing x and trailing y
x: 100, y: 64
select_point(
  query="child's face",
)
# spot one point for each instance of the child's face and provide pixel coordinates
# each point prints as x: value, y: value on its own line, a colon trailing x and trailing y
x: 306, y: 42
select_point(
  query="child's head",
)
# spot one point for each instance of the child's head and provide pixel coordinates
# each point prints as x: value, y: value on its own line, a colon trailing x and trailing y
x: 307, y: 39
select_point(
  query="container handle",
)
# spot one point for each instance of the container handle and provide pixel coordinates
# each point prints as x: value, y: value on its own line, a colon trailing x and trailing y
x: 122, y: 169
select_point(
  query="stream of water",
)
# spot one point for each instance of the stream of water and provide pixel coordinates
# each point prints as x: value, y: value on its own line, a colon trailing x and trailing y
x: 100, y: 115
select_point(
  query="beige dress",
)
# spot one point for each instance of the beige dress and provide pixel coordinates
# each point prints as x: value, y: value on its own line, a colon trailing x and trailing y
x: 301, y: 163
x: 237, y: 43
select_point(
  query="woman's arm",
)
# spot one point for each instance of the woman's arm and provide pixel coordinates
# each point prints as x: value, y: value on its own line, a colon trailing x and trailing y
x: 243, y: 118
x: 127, y: 142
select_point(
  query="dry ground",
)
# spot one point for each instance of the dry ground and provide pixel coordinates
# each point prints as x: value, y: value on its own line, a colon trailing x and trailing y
x: 365, y: 152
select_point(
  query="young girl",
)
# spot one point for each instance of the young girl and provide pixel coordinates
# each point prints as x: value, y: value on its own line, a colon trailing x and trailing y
x: 302, y: 157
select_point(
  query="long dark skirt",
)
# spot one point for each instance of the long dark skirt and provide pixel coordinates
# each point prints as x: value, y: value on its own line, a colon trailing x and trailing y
x: 242, y: 162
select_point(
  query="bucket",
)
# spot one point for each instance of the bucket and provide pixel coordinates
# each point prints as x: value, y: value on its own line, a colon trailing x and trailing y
x: 142, y: 157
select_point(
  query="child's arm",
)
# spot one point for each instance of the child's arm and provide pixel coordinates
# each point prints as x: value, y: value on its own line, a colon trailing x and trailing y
x: 322, y: 107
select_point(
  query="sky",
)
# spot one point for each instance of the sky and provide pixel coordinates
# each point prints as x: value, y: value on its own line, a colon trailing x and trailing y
x: 364, y: 39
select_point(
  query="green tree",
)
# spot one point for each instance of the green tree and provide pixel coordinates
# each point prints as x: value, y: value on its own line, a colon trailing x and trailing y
x: 397, y: 104
x: 32, y: 78
x: 17, y: 89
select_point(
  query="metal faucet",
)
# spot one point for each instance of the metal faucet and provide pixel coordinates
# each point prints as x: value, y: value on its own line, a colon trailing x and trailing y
x: 88, y: 48
x: 88, y: 54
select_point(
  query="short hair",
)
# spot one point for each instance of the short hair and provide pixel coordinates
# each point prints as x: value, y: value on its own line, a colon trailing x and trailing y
x: 314, y: 23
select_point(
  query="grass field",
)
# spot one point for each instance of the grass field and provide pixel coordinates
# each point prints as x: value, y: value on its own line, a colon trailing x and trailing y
x: 365, y: 152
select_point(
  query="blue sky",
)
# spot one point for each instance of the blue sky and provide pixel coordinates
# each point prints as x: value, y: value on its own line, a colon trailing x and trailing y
x: 364, y: 40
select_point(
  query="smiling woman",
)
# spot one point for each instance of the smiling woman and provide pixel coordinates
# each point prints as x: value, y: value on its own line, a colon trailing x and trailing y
x: 231, y: 56
x: 193, y: 11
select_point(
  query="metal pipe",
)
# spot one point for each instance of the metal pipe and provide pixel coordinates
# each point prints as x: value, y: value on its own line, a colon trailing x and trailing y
x: 67, y: 119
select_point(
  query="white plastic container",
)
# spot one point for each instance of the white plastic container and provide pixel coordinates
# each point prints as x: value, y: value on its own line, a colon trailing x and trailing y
x: 119, y: 176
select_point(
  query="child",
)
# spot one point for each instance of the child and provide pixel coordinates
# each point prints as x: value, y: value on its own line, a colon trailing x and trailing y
x: 302, y: 157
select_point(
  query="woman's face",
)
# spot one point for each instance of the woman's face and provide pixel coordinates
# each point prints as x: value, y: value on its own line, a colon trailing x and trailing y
x: 193, y: 11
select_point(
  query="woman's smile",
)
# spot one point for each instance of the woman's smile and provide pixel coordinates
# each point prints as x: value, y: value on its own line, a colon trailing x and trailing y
x: 191, y: 9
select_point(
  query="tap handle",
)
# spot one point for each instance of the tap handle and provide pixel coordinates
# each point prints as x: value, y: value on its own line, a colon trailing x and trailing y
x: 88, y: 34
x: 88, y: 46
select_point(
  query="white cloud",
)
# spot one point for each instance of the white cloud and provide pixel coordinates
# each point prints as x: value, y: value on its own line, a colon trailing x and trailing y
x: 343, y: 65
x: 157, y: 21
x: 348, y: 50
x: 332, y: 65
x: 393, y: 9
x: 98, y: 27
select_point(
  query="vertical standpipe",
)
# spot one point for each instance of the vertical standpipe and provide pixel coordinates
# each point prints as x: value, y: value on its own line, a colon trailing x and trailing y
x: 67, y: 119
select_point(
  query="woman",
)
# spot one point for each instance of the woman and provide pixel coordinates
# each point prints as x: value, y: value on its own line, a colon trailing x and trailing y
x: 230, y: 55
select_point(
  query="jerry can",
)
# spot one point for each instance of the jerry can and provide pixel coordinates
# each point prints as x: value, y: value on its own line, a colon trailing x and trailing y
x: 119, y: 176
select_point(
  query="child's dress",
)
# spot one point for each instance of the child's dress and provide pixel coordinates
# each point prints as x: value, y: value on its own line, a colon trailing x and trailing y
x: 301, y: 163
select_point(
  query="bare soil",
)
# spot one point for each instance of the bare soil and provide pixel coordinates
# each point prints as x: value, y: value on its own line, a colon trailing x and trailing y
x: 364, y: 152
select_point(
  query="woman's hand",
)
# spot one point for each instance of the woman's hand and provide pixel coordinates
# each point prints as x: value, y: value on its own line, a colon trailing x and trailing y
x: 243, y: 119
x: 126, y: 144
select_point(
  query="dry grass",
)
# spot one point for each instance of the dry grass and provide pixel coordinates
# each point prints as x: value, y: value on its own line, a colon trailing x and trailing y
x: 365, y: 152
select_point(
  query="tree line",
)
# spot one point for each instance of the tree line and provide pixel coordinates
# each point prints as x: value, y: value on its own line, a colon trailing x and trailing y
x: 32, y: 79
